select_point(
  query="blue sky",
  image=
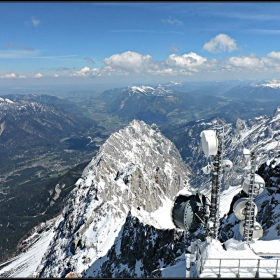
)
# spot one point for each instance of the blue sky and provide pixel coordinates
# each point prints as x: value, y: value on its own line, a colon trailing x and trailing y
x: 138, y: 42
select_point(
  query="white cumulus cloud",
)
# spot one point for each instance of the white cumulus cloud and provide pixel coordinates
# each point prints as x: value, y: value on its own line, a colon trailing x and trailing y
x: 95, y: 72
x: 274, y: 54
x: 39, y: 75
x: 221, y: 43
x: 246, y: 62
x: 188, y: 61
x: 131, y: 62
x: 83, y: 72
x: 13, y: 75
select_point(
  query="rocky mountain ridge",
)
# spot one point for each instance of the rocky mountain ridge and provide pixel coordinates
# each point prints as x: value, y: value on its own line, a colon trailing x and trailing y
x: 136, y: 171
x: 264, y: 91
x: 173, y: 104
x: 124, y: 197
x: 34, y: 122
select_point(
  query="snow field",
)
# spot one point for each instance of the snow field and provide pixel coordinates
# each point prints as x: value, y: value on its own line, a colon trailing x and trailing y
x: 26, y: 263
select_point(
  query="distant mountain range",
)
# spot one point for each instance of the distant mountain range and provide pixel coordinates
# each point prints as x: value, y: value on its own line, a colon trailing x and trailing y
x: 25, y: 124
x: 161, y: 105
x: 264, y: 91
x: 45, y: 99
x: 154, y: 104
x: 204, y: 88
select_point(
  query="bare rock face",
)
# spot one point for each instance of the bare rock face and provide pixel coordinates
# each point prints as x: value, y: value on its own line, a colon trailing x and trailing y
x: 128, y: 258
x: 144, y: 160
x: 136, y: 168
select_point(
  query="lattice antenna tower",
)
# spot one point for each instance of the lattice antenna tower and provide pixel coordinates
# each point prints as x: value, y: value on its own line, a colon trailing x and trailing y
x: 213, y: 145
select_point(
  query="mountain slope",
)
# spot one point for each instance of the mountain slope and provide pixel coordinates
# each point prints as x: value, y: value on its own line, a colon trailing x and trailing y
x: 265, y: 91
x: 116, y: 222
x: 32, y: 156
x: 137, y: 170
x: 23, y: 123
x: 165, y: 106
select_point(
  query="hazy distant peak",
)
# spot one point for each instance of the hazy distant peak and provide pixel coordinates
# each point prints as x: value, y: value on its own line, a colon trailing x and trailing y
x: 272, y: 84
x: 148, y: 90
x: 173, y: 84
x: 6, y: 100
x: 142, y: 88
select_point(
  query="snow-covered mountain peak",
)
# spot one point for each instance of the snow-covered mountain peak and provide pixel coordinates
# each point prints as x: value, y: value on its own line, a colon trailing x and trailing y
x: 134, y: 157
x: 116, y: 222
x: 148, y: 90
x: 135, y: 175
x: 271, y: 84
x: 6, y: 100
x: 142, y: 88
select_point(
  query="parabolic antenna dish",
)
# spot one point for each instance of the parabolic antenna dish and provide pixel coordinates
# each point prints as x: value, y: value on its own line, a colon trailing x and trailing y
x: 227, y: 165
x: 209, y: 142
x: 207, y: 169
x: 188, y: 210
x: 239, y: 208
x: 258, y: 186
x: 257, y: 232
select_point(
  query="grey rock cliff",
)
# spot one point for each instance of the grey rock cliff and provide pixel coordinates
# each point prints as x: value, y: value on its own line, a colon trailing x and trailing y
x: 136, y: 168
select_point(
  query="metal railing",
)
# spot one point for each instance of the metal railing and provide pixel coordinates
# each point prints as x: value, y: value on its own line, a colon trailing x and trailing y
x: 238, y: 267
x: 234, y: 268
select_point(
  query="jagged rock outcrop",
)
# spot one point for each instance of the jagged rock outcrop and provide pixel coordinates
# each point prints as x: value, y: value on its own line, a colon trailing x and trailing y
x: 141, y: 250
x: 108, y: 227
x: 137, y: 169
x: 269, y: 201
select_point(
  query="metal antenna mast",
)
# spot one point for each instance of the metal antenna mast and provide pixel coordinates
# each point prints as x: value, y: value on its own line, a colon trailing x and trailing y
x: 250, y: 205
x: 216, y: 187
x: 212, y: 142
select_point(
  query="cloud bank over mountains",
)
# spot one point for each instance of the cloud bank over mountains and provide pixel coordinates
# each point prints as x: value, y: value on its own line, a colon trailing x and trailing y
x: 130, y: 62
x: 191, y: 63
